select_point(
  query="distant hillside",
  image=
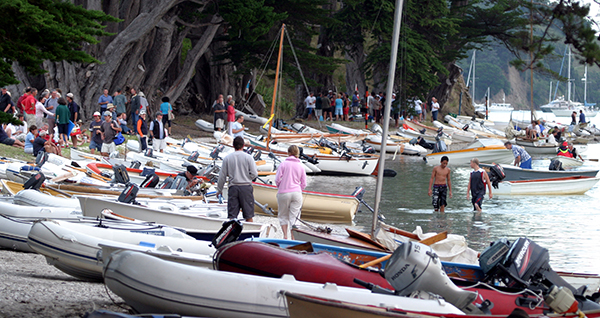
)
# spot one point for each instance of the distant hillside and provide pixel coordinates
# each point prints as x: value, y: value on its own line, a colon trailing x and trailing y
x: 494, y: 71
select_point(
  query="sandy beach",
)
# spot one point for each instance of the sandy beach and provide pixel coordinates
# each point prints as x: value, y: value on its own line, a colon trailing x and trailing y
x: 29, y: 287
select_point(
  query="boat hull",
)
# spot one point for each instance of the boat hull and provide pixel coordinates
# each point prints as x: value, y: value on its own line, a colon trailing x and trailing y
x: 556, y: 186
x: 516, y: 173
x: 316, y: 206
x: 490, y: 154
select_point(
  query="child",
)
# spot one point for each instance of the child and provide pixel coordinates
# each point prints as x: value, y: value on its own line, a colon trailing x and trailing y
x: 477, y: 181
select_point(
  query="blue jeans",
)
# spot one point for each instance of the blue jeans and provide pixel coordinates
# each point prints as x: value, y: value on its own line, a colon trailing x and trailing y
x: 526, y: 164
x: 126, y: 129
x: 134, y: 118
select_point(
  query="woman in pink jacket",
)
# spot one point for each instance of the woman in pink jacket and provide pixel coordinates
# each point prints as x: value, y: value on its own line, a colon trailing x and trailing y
x: 290, y: 180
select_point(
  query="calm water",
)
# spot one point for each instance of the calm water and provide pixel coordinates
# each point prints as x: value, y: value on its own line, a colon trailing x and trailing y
x: 568, y: 226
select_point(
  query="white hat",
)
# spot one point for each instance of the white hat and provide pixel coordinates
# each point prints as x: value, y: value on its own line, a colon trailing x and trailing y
x: 107, y: 113
x: 70, y: 95
x: 142, y: 112
x: 140, y: 94
x: 96, y: 113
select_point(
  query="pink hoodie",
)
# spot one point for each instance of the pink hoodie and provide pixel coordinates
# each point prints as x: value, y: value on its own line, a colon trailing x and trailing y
x: 290, y: 176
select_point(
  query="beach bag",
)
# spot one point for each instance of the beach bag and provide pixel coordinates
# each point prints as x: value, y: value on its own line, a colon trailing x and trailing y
x: 171, y: 115
x: 119, y: 139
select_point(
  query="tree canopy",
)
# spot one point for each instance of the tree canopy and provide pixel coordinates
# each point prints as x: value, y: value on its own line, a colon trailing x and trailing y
x: 34, y: 31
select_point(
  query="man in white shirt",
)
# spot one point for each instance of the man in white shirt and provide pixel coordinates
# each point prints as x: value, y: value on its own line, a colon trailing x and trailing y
x: 435, y: 107
x: 310, y: 103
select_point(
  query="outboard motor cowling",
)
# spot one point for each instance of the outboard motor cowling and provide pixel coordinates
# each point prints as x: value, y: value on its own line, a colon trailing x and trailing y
x: 129, y: 194
x: 35, y: 182
x: 556, y: 165
x: 496, y: 175
x: 150, y: 182
x: 415, y: 267
x: 121, y: 174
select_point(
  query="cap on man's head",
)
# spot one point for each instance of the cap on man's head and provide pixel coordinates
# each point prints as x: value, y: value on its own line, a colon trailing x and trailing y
x: 70, y: 95
x: 159, y: 114
x: 191, y: 169
x: 565, y: 143
x: 142, y: 112
x: 107, y: 113
x: 97, y: 114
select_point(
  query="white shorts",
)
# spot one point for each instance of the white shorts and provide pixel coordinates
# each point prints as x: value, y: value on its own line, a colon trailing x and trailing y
x: 108, y: 148
x: 158, y: 144
x: 219, y: 123
x: 289, y: 207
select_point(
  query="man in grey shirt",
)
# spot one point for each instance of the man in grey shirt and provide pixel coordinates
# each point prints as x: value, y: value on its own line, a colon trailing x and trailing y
x: 240, y: 168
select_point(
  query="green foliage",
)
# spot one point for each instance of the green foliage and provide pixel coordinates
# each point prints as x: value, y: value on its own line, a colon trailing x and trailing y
x: 6, y: 118
x: 32, y: 31
x: 185, y: 47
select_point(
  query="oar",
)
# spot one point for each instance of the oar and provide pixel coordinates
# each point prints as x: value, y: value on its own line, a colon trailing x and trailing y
x: 428, y: 241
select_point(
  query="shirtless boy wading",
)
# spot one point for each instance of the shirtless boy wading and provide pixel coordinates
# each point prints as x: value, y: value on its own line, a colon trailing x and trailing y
x: 440, y: 178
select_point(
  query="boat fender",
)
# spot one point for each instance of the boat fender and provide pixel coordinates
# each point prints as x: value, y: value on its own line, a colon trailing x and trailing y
x: 35, y: 182
x: 150, y: 182
x: 389, y: 173
x: 229, y: 232
x: 129, y: 194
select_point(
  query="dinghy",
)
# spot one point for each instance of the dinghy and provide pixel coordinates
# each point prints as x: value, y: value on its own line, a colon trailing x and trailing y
x: 486, y: 150
x: 205, y: 126
x: 316, y: 206
x: 201, y: 228
x: 554, y: 186
x: 513, y: 173
x: 73, y: 247
x: 568, y: 162
x: 196, y: 291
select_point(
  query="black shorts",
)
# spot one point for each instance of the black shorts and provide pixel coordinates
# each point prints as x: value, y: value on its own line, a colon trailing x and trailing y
x: 438, y: 197
x: 166, y: 121
x: 63, y: 129
x: 477, y: 198
x: 240, y: 197
x: 8, y: 141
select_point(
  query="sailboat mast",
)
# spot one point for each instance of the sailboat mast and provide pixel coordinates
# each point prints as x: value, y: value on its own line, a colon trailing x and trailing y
x: 275, y: 86
x: 585, y: 86
x: 569, y: 76
x: 386, y: 112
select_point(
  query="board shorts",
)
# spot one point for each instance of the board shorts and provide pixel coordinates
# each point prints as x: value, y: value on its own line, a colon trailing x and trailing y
x: 240, y: 197
x: 438, y: 196
x: 63, y: 129
x: 477, y: 198
x: 108, y: 148
x: 94, y: 145
x: 339, y: 111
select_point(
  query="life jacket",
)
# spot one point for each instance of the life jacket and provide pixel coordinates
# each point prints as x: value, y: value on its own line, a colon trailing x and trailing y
x: 564, y: 152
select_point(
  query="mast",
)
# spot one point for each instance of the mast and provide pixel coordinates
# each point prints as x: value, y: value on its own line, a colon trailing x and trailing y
x: 585, y: 86
x: 275, y: 86
x: 386, y: 112
x: 569, y: 76
x: 550, y: 93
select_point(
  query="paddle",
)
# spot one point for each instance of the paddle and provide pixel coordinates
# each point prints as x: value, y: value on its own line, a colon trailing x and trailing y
x: 428, y: 241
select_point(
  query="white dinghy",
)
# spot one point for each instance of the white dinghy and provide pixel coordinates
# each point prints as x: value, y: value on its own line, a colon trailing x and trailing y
x: 196, y: 291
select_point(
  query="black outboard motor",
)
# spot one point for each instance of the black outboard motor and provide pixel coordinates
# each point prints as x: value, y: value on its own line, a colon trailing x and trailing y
x: 525, y: 264
x: 326, y: 143
x: 257, y: 155
x: 135, y: 164
x: 440, y: 145
x: 149, y: 152
x: 249, y: 150
x: 229, y: 232
x: 368, y: 149
x: 129, y: 194
x: 556, y: 165
x: 41, y: 158
x: 496, y: 175
x: 35, y: 182
x: 151, y: 181
x: 423, y: 143
x: 215, y: 153
x: 166, y: 184
x: 312, y: 160
x: 121, y: 175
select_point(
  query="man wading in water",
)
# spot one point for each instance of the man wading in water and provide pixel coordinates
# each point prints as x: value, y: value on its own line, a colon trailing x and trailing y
x: 442, y: 185
x: 478, y: 180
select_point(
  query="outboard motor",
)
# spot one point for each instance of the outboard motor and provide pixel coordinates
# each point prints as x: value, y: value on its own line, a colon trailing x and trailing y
x: 257, y: 155
x: 149, y: 152
x: 121, y: 175
x: 35, y: 182
x: 135, y: 165
x: 415, y: 267
x: 150, y: 182
x: 147, y: 171
x: 229, y: 232
x: 193, y: 156
x: 368, y: 149
x: 423, y: 143
x: 249, y: 150
x: 556, y: 165
x: 214, y: 154
x: 180, y: 183
x: 166, y: 184
x: 312, y: 160
x: 41, y: 158
x: 377, y: 129
x: 129, y: 194
x: 524, y: 264
x: 496, y: 175
x: 440, y: 145
x: 326, y: 143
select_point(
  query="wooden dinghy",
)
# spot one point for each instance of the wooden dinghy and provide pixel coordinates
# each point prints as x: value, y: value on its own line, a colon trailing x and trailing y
x: 196, y: 291
x: 513, y: 173
x: 73, y: 247
x: 316, y: 206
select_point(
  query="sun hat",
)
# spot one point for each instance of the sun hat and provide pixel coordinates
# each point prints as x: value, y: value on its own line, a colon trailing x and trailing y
x: 110, y: 105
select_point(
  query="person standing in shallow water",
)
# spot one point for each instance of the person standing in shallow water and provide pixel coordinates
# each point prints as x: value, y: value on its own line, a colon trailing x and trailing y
x: 440, y: 179
x: 478, y: 180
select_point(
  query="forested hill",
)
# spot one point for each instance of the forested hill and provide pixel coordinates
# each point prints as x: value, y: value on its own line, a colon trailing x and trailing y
x: 493, y: 70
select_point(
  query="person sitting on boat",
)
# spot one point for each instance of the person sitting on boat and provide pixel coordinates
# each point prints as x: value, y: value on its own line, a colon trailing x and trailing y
x: 563, y: 150
x: 552, y: 137
x: 440, y: 179
x: 541, y: 127
x: 478, y: 180
x: 574, y: 152
x: 533, y: 130
x: 189, y: 175
x: 522, y: 158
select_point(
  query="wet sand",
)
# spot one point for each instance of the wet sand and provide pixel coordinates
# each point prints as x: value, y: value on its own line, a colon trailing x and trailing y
x: 29, y: 287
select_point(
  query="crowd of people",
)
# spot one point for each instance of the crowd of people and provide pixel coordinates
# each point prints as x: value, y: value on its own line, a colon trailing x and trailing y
x: 56, y: 120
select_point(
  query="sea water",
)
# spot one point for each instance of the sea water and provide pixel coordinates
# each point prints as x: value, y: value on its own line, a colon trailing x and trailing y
x: 568, y: 226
